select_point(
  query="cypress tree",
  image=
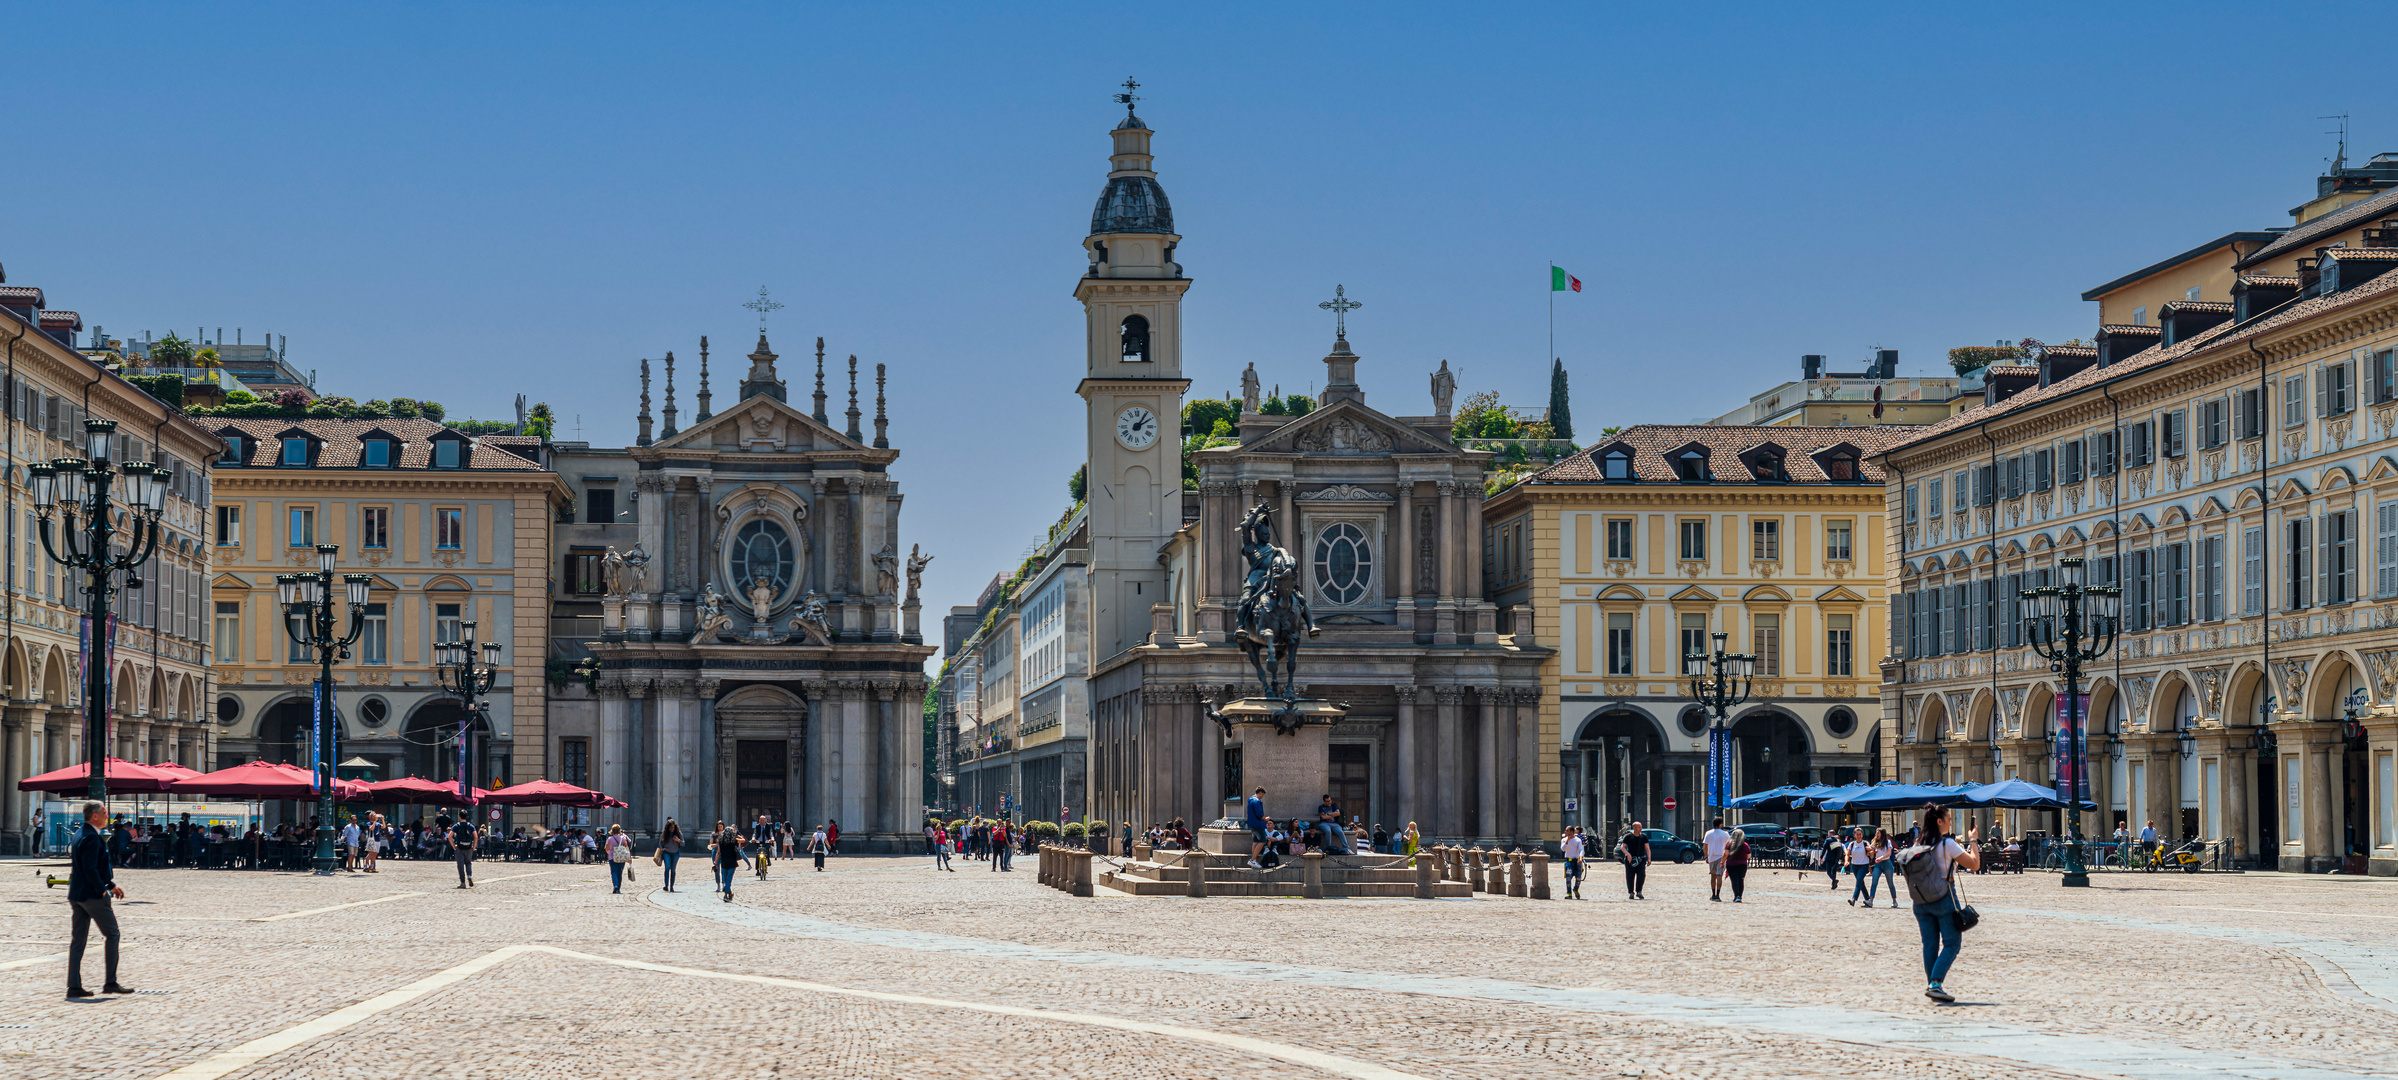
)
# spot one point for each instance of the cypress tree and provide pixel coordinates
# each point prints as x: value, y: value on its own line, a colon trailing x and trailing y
x: 1561, y: 414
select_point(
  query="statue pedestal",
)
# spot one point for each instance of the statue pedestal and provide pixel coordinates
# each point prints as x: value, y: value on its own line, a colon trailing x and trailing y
x: 1286, y: 748
x: 612, y: 618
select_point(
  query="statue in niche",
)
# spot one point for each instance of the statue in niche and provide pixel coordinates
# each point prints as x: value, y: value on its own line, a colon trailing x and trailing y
x: 917, y: 561
x: 1444, y: 389
x: 620, y: 571
x: 886, y: 570
x: 713, y: 618
x: 761, y: 597
x: 810, y: 619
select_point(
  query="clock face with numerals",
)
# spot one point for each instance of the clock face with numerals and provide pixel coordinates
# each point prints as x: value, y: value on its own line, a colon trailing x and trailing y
x: 1136, y: 427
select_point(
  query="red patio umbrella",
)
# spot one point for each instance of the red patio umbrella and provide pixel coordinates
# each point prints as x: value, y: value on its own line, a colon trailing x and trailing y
x: 546, y: 793
x: 254, y: 780
x: 121, y: 775
x: 416, y: 789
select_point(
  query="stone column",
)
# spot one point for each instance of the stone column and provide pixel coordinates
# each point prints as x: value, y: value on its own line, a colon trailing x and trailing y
x: 1472, y: 603
x: 1215, y: 559
x: 2239, y: 774
x: 679, y: 760
x: 857, y: 757
x: 820, y: 541
x: 813, y: 807
x: 616, y: 751
x: 1286, y: 494
x: 1524, y: 778
x: 1402, y: 556
x: 2323, y: 845
x: 883, y: 802
x: 1404, y: 804
x: 1210, y: 745
x: 655, y: 510
x: 16, y: 757
x: 1489, y: 770
x: 1445, y: 799
x: 1444, y: 616
x: 716, y: 777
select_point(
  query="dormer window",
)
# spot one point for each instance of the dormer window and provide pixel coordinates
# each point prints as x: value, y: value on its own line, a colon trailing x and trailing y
x: 1616, y: 465
x: 376, y: 454
x: 1839, y: 465
x: 237, y: 452
x: 295, y: 452
x: 1691, y: 464
x: 1136, y: 339
x: 448, y: 453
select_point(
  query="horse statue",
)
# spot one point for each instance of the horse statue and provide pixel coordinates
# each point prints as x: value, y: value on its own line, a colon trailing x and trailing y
x: 1273, y: 612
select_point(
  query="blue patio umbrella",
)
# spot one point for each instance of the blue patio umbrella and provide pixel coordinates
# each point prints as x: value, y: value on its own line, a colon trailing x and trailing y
x: 2019, y: 795
x: 1896, y: 796
x: 1756, y: 799
x: 1817, y: 797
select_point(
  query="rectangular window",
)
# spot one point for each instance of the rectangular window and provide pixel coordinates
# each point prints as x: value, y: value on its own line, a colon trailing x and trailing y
x: 445, y: 453
x: 2177, y: 432
x: 574, y: 761
x: 228, y: 527
x: 374, y: 641
x: 231, y: 457
x: 2298, y: 566
x: 2385, y: 549
x: 449, y: 527
x: 1765, y: 640
x: 599, y: 506
x: 1619, y: 643
x: 2251, y: 413
x: 1839, y: 645
x: 2210, y: 424
x: 1958, y: 483
x: 1835, y: 541
x: 2140, y: 595
x: 2210, y: 568
x: 583, y: 573
x: 1912, y: 492
x: 2073, y: 461
x: 2139, y: 445
x: 295, y: 452
x: 2044, y: 475
x: 1694, y: 539
x: 1619, y: 538
x: 374, y: 527
x: 1694, y: 634
x: 446, y: 624
x: 2102, y: 453
x: 300, y: 653
x: 2340, y: 546
x: 2177, y: 583
x: 2293, y: 401
x: 2384, y: 376
x: 1985, y: 485
x: 2335, y: 390
x: 376, y: 453
x: 228, y: 631
x: 303, y: 526
x: 2252, y: 571
x: 1765, y: 540
x: 1931, y: 492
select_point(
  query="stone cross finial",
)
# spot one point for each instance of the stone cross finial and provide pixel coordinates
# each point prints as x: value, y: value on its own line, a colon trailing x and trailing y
x: 820, y: 418
x: 702, y: 397
x: 669, y: 430
x: 854, y: 434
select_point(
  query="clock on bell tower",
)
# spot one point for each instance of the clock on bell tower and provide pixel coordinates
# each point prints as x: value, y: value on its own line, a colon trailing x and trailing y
x: 1132, y: 386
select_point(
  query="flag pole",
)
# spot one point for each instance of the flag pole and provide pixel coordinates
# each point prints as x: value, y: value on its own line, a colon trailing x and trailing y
x: 1552, y: 312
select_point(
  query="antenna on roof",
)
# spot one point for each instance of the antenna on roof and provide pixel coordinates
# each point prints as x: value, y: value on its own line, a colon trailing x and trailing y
x: 2339, y: 161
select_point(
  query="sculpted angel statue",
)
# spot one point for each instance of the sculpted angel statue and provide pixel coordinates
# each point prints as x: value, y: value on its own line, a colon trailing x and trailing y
x: 917, y: 561
x: 761, y: 597
x: 810, y: 619
x: 713, y: 618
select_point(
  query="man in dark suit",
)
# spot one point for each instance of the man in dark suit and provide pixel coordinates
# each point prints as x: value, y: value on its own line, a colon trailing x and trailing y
x: 90, y: 884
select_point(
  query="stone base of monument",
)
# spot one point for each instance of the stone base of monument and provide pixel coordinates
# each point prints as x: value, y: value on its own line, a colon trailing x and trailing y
x: 1168, y: 873
x: 1286, y: 748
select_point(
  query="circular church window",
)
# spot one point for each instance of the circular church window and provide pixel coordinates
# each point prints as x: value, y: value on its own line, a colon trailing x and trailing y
x: 1841, y: 723
x: 373, y: 711
x: 1344, y: 564
x: 1694, y: 721
x: 761, y: 550
x: 228, y: 709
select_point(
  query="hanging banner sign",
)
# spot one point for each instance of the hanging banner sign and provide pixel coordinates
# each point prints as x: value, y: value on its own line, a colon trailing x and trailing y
x: 2066, y: 771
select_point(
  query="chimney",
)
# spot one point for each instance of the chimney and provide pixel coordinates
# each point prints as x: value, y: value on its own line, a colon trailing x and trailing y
x: 2310, y: 273
x: 1812, y: 365
x: 1885, y: 363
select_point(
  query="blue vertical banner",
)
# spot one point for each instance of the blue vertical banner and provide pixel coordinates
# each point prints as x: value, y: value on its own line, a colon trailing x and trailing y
x: 466, y: 781
x: 316, y: 738
x: 1719, y: 767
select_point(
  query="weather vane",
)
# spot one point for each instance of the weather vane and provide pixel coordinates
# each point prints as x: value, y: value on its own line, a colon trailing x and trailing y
x: 1128, y: 97
x: 763, y: 306
x: 1340, y: 306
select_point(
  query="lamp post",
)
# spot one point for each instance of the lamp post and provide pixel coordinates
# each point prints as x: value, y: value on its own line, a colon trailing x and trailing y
x: 1712, y: 686
x: 308, y: 617
x: 2071, y: 625
x: 78, y: 489
x: 467, y: 680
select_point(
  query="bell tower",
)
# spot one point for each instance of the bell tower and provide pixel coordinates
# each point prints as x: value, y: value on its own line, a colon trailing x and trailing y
x: 1132, y: 387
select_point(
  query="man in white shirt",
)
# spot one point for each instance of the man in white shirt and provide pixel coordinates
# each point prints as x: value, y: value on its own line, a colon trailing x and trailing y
x: 1571, y: 848
x: 2148, y: 838
x: 1717, y: 840
x: 349, y: 845
x: 1860, y: 864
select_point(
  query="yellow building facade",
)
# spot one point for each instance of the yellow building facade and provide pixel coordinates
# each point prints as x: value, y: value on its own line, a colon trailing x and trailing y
x: 1638, y: 550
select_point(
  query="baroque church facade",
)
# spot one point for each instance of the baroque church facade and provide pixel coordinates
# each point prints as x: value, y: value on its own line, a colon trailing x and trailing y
x: 1383, y: 514
x: 757, y: 654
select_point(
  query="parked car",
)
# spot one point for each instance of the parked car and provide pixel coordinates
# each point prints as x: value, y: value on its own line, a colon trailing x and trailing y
x: 1768, y: 837
x: 1666, y: 847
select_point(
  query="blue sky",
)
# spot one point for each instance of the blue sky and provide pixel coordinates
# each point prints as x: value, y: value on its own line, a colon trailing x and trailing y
x: 467, y: 202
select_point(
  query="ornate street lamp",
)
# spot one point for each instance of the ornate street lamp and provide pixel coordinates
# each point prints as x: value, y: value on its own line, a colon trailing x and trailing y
x: 466, y: 679
x: 307, y: 599
x: 1712, y: 686
x: 2071, y: 625
x: 77, y: 488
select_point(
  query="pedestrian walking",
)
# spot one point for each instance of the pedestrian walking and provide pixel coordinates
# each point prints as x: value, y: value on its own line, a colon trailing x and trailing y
x: 1716, y: 840
x: 1860, y: 864
x: 670, y: 850
x: 1633, y: 849
x: 91, y: 885
x: 352, y: 838
x: 832, y: 835
x: 1001, y: 850
x: 941, y: 849
x: 1411, y: 842
x: 727, y: 861
x: 1736, y: 862
x: 1570, y: 846
x: 1931, y: 868
x: 462, y: 838
x: 818, y: 845
x: 1885, y: 864
x: 1833, y: 854
x: 620, y: 857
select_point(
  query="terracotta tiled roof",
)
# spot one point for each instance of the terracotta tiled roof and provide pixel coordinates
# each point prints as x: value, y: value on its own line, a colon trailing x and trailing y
x: 2378, y: 289
x: 2127, y: 330
x: 2073, y: 350
x: 344, y: 443
x: 2026, y: 370
x: 2270, y: 279
x: 20, y: 296
x: 2304, y: 237
x: 2192, y: 305
x: 2366, y: 254
x: 511, y: 442
x: 1651, y: 443
x: 61, y: 320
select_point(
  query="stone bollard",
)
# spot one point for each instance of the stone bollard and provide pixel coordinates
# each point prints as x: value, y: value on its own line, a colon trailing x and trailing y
x: 1080, y: 883
x: 1494, y: 873
x: 1540, y: 875
x: 1423, y: 876
x: 1473, y: 869
x: 1515, y: 875
x: 1140, y: 853
x: 1195, y: 864
x: 1455, y: 865
x: 1049, y: 861
x: 1311, y: 875
x: 1041, y: 867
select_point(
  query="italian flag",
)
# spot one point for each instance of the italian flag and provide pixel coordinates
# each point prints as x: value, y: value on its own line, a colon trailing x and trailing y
x: 1560, y: 281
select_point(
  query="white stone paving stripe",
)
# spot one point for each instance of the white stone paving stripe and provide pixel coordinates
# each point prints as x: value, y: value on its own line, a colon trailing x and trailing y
x: 30, y: 961
x: 1927, y: 1033
x: 256, y: 1050
x: 336, y: 907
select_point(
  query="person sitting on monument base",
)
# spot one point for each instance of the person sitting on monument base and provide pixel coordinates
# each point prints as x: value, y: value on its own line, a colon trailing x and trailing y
x: 1254, y: 816
x: 1329, y: 834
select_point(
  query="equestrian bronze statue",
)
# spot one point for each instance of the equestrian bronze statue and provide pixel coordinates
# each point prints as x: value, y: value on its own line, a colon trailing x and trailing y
x: 1273, y: 612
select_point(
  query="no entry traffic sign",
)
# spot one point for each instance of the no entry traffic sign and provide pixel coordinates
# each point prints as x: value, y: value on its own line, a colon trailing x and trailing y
x: 1669, y: 802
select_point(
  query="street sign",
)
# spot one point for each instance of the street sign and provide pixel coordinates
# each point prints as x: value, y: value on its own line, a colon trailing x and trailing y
x: 495, y: 815
x: 1669, y: 802
x: 1572, y: 805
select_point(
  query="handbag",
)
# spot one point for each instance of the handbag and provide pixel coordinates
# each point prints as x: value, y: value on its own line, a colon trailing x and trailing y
x: 1967, y: 917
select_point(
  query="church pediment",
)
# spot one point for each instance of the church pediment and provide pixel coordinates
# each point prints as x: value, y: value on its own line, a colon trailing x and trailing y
x: 1346, y: 428
x: 759, y: 424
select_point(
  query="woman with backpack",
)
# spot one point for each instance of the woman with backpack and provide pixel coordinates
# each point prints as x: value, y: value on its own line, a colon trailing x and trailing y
x: 728, y: 861
x: 1833, y: 854
x: 1931, y: 868
x: 1884, y: 851
x: 620, y: 856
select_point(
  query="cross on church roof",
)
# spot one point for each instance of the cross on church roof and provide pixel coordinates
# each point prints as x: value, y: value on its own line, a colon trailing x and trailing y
x: 1128, y: 97
x: 1340, y: 306
x: 763, y: 307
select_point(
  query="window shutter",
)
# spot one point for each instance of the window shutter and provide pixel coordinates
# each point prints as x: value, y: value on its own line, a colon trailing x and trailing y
x: 2348, y: 552
x: 2385, y: 548
x: 2322, y: 568
x: 2322, y: 392
x: 2348, y: 372
x: 2043, y: 474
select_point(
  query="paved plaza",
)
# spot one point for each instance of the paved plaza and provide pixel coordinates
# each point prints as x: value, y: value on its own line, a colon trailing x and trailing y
x: 880, y: 967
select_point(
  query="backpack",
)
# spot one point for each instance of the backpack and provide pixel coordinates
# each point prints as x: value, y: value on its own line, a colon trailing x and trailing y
x: 1925, y: 883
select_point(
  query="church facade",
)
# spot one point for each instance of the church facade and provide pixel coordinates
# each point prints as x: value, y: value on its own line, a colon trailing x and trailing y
x: 1382, y: 512
x: 757, y: 654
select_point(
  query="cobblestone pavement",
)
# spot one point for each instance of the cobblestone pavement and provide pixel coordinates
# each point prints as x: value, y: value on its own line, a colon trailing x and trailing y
x: 881, y: 967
